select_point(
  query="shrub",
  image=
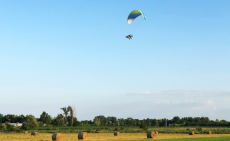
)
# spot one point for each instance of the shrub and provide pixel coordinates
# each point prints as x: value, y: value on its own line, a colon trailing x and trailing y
x: 199, y: 129
x: 122, y: 128
x: 49, y: 127
x: 144, y: 126
x: 25, y: 126
x: 9, y: 127
x: 3, y: 127
x: 30, y: 123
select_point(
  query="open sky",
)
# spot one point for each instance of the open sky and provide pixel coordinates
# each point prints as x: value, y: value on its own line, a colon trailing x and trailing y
x: 55, y: 53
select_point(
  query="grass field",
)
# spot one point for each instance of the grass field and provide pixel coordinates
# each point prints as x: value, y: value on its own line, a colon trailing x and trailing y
x: 131, y: 129
x: 110, y: 137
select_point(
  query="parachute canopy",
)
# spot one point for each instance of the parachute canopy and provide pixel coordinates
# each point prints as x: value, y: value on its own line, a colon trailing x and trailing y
x: 134, y: 14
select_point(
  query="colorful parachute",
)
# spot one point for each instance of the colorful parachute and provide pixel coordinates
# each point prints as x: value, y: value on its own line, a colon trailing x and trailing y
x: 134, y: 14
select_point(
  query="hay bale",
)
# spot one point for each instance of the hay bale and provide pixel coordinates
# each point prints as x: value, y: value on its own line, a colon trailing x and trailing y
x: 116, y: 133
x: 151, y: 135
x: 26, y: 132
x: 34, y: 133
x: 57, y: 136
x: 209, y: 132
x: 191, y: 133
x: 156, y: 132
x: 83, y: 135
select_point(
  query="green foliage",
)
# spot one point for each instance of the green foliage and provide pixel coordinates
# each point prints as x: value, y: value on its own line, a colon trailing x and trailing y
x: 176, y: 119
x: 58, y: 121
x: 30, y: 123
x: 98, y: 129
x: 25, y: 126
x: 40, y: 123
x: 144, y: 126
x: 199, y: 129
x: 75, y: 122
x: 9, y: 127
x: 45, y: 118
x: 122, y: 128
x: 3, y: 127
x: 49, y: 127
x: 116, y: 129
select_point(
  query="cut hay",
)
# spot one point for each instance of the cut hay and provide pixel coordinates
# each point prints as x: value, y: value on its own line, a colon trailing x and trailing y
x: 191, y: 133
x: 151, y: 135
x: 34, y: 133
x: 83, y: 135
x: 26, y: 132
x: 57, y: 136
x: 156, y: 132
x: 116, y: 133
x: 209, y: 132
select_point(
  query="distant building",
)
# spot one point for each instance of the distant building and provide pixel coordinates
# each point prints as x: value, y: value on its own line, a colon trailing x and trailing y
x: 14, y: 124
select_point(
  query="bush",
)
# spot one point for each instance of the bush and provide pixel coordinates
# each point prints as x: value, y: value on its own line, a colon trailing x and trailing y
x: 49, y: 127
x: 3, y: 127
x: 98, y: 129
x: 144, y: 126
x: 30, y: 123
x: 40, y: 123
x: 122, y: 128
x: 25, y: 126
x: 9, y: 127
x: 199, y: 129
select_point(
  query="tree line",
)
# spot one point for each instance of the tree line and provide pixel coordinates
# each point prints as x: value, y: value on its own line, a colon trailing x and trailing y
x: 68, y: 118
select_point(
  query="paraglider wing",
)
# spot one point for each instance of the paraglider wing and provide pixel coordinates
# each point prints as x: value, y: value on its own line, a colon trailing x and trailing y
x: 134, y: 14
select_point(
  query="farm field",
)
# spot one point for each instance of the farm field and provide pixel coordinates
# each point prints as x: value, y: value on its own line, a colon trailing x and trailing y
x: 132, y: 129
x: 110, y: 137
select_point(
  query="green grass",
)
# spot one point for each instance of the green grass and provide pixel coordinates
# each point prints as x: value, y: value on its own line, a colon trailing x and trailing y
x: 132, y: 129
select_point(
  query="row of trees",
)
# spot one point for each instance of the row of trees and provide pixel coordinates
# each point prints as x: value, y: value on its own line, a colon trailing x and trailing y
x: 30, y: 122
x: 176, y: 121
x: 68, y: 119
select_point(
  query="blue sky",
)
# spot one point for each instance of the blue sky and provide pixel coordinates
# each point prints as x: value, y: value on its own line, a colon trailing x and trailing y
x: 58, y: 53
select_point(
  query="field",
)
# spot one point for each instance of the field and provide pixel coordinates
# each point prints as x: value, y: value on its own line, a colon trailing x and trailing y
x: 110, y: 137
x: 131, y: 129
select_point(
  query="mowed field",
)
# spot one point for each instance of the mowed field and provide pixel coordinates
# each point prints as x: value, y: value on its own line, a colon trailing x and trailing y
x: 111, y: 137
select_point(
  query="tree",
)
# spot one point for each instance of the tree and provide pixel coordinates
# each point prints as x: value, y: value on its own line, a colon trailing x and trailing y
x: 3, y: 127
x: 176, y: 119
x: 72, y: 113
x: 223, y: 122
x: 57, y: 120
x: 45, y: 118
x: 75, y: 122
x: 144, y: 126
x: 100, y: 120
x: 30, y: 123
x: 66, y: 112
x: 1, y: 118
x: 129, y: 121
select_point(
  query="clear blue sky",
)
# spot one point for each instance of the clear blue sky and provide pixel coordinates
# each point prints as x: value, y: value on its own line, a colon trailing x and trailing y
x: 57, y: 53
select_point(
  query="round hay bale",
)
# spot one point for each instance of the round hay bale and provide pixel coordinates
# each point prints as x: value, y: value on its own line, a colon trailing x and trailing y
x: 83, y: 135
x: 57, y: 136
x: 151, y: 135
x: 156, y: 132
x: 209, y: 132
x: 26, y: 132
x: 116, y: 133
x: 191, y: 133
x: 34, y: 133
